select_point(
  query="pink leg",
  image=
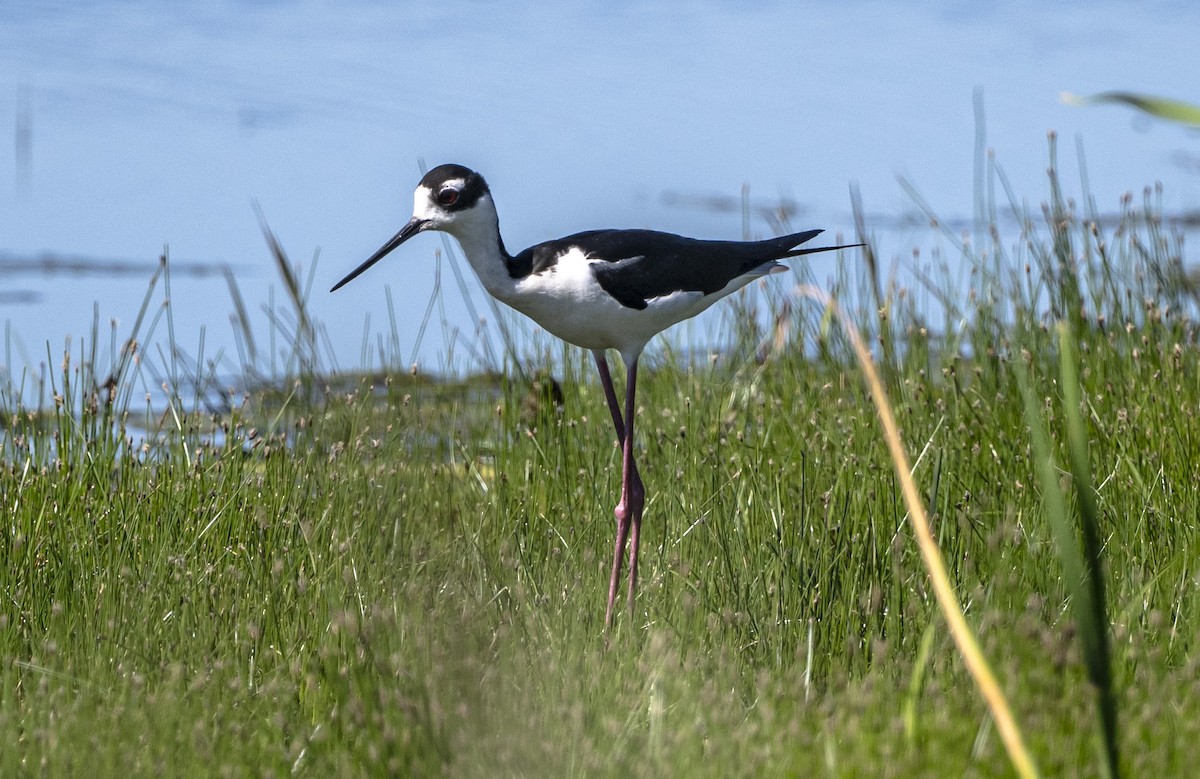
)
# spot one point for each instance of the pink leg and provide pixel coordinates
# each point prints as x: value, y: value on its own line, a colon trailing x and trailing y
x: 629, y: 511
x: 633, y: 494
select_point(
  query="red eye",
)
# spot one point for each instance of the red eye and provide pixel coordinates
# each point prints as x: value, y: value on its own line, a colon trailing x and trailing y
x: 447, y: 197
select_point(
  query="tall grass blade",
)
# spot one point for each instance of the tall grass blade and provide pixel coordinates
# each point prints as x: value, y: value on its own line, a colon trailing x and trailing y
x: 1162, y: 107
x: 1082, y: 571
x: 964, y: 637
x: 1091, y: 611
x: 242, y: 317
x: 305, y: 337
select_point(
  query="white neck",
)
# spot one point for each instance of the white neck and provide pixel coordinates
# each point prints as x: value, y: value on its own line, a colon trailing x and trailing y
x: 479, y: 237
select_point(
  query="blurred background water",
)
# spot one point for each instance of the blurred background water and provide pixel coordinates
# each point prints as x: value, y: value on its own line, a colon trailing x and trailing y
x: 140, y: 125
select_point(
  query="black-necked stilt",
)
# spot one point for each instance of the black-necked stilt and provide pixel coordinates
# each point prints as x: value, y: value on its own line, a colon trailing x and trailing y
x: 602, y: 289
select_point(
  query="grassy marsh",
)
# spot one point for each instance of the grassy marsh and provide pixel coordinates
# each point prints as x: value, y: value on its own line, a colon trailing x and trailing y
x: 395, y: 575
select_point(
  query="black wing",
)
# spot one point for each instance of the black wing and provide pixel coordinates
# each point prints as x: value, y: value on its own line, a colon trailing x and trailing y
x: 637, y: 265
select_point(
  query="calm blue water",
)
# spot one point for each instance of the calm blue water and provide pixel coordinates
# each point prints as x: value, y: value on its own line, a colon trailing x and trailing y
x: 141, y: 124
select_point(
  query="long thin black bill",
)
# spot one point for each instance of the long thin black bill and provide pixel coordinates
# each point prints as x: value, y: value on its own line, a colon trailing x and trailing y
x: 408, y: 231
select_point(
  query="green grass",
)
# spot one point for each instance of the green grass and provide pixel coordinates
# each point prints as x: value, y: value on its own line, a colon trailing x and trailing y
x: 398, y: 575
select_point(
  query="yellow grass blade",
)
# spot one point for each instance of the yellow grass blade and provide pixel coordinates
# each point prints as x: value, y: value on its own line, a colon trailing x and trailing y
x: 964, y: 638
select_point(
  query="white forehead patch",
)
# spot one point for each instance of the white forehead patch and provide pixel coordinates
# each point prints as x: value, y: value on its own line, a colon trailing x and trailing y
x: 424, y: 204
x: 422, y: 201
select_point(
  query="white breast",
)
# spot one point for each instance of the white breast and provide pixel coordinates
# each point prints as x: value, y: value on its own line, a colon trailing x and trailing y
x: 568, y: 302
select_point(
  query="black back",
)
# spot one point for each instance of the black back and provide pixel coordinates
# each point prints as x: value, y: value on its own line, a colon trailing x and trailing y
x: 637, y: 265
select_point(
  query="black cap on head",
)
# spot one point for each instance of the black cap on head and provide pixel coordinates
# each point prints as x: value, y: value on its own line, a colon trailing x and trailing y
x: 473, y: 187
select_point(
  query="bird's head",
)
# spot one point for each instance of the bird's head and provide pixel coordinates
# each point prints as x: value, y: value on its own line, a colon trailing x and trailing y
x: 450, y: 198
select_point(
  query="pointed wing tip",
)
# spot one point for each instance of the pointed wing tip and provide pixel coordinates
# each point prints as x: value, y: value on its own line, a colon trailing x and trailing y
x: 819, y: 249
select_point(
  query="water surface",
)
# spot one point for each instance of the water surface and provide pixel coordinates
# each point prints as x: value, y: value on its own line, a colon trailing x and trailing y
x: 139, y: 125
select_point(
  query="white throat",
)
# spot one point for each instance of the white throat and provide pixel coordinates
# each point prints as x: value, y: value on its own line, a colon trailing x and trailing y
x: 478, y: 232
